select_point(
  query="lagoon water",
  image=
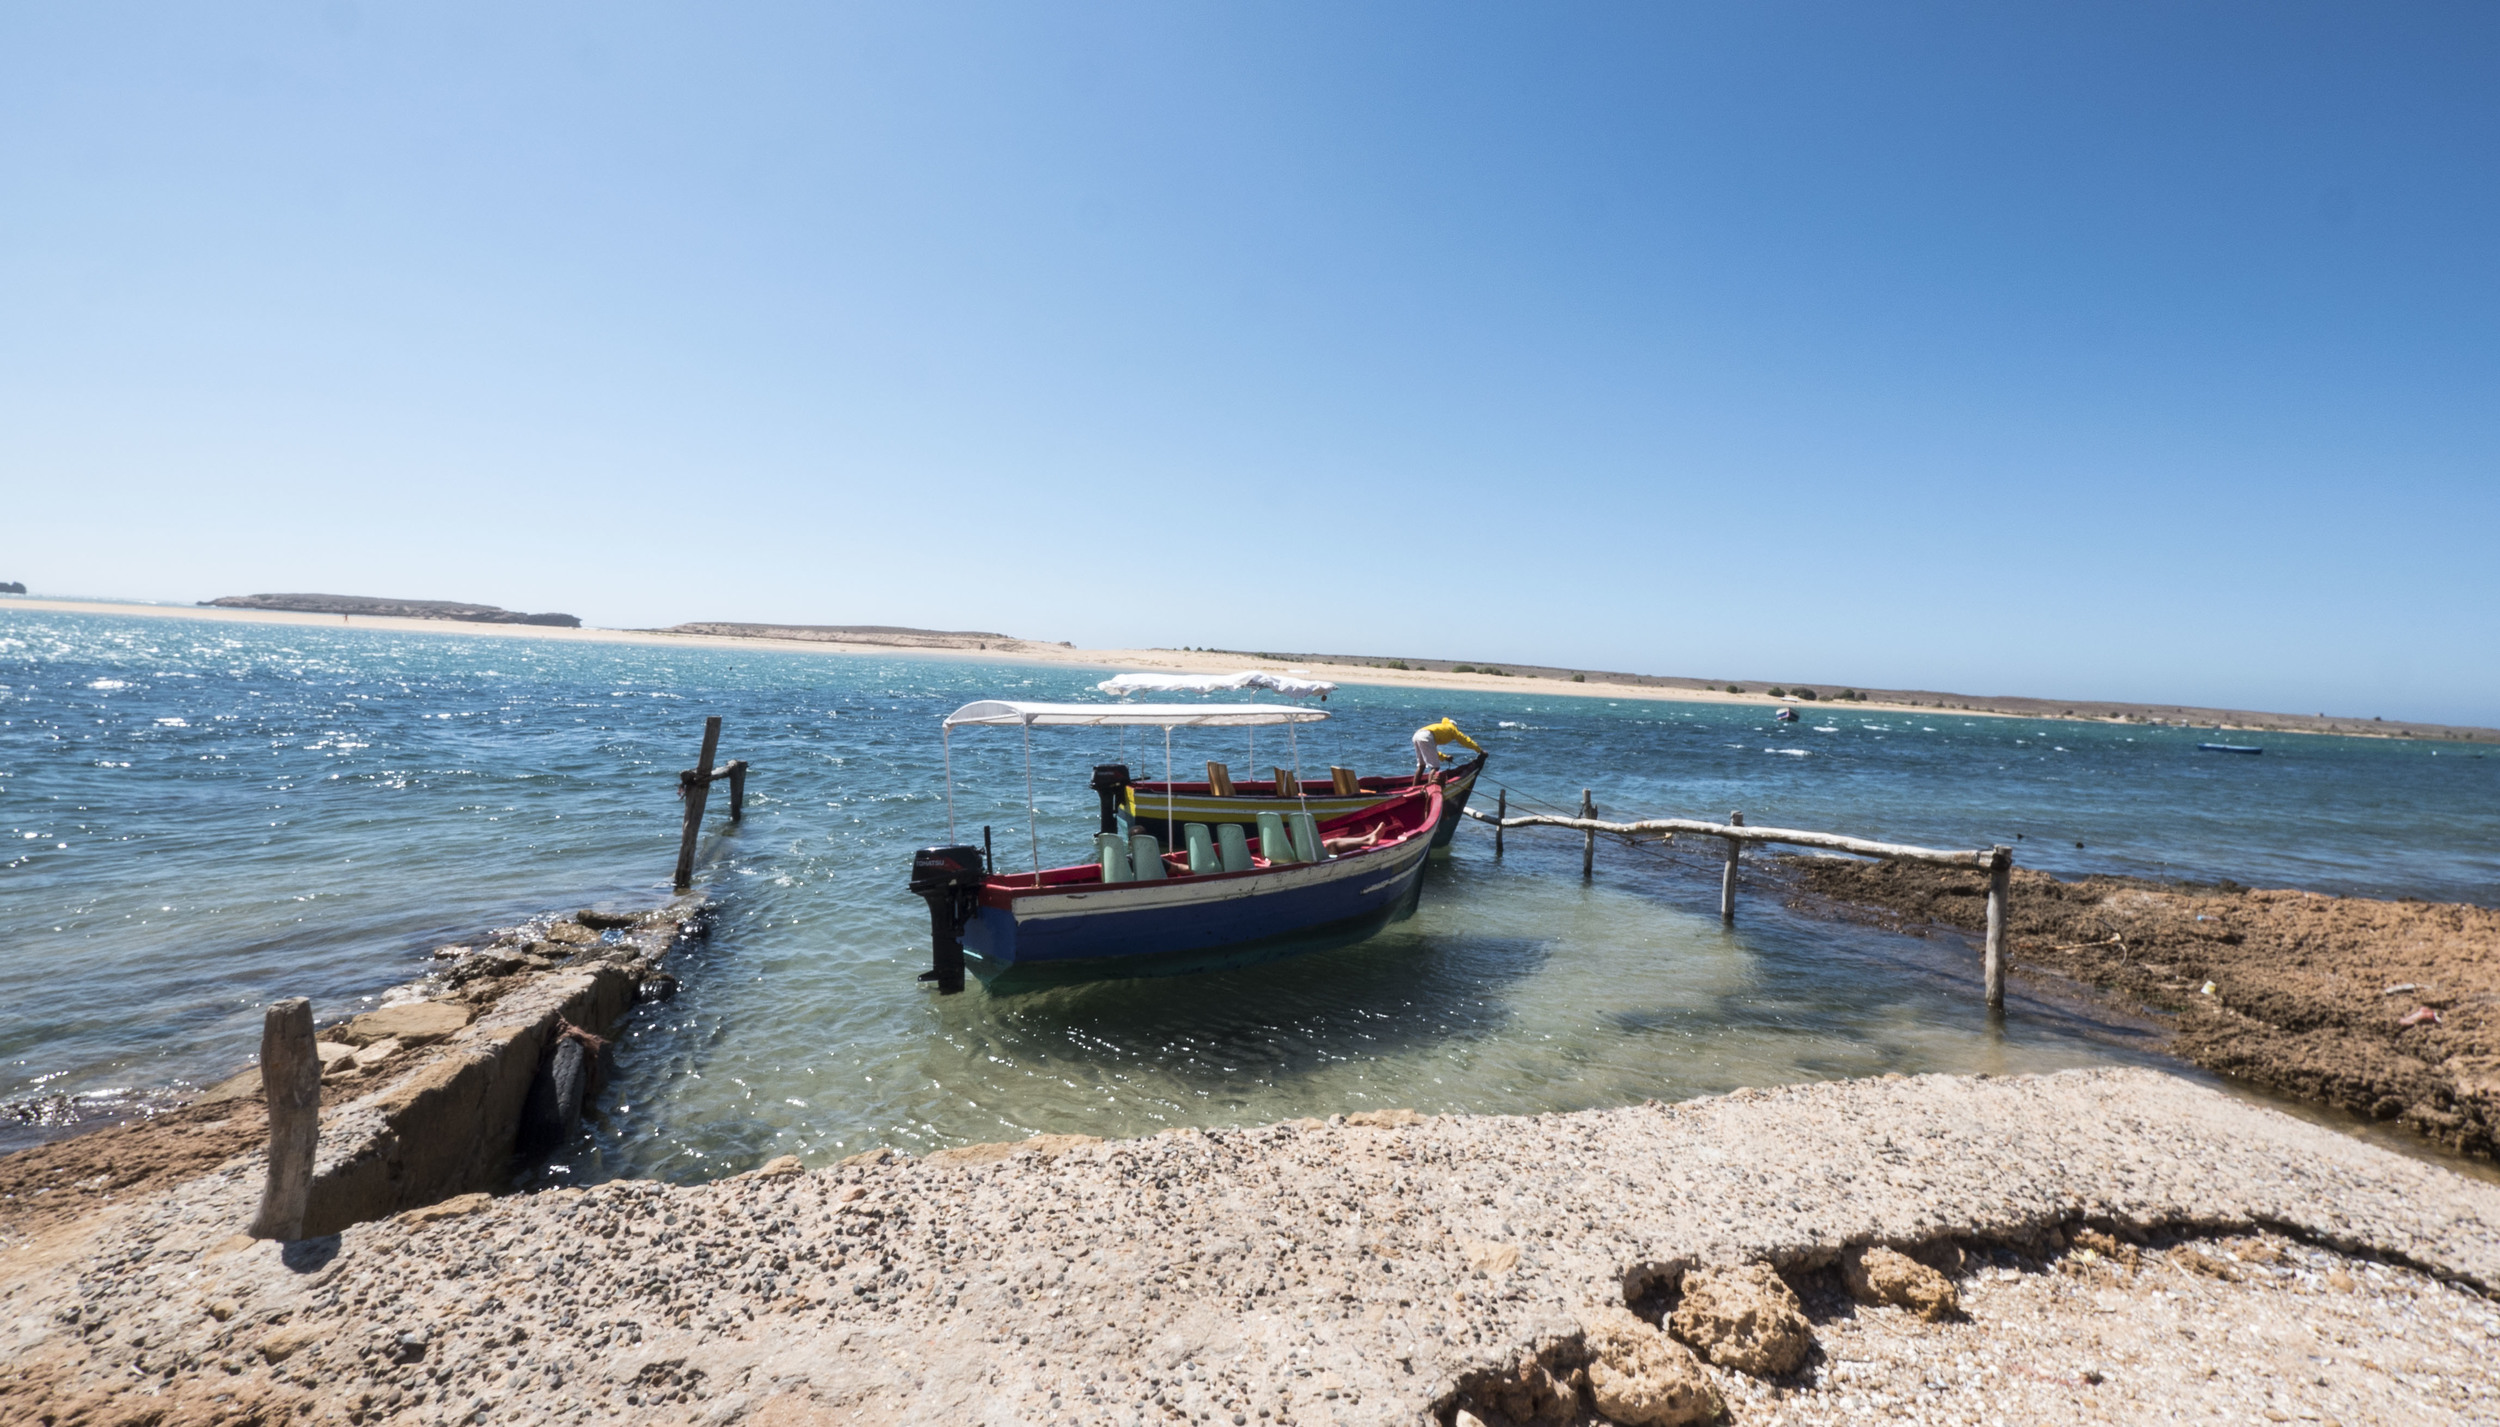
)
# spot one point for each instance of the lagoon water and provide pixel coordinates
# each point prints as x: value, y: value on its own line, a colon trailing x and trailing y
x: 202, y: 816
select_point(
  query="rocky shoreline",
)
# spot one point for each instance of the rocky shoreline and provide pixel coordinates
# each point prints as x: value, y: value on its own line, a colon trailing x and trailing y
x: 2071, y: 1247
x: 2384, y: 1009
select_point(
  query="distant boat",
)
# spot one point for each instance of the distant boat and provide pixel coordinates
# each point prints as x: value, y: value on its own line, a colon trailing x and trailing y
x: 2227, y: 748
x: 1785, y: 716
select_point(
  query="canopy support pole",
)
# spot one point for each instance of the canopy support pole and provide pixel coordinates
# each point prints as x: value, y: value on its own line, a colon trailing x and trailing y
x: 1032, y: 819
x: 946, y: 740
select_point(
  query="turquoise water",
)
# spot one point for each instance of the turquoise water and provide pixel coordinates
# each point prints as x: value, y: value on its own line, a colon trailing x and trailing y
x: 201, y: 816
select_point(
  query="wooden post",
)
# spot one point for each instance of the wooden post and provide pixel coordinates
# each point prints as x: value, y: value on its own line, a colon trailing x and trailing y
x: 290, y: 1080
x: 1727, y: 879
x: 2000, y: 877
x: 695, y: 787
x: 737, y: 790
x: 1501, y: 814
x: 1588, y: 838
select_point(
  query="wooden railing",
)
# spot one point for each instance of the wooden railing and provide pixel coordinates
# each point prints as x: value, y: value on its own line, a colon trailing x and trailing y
x: 1997, y: 861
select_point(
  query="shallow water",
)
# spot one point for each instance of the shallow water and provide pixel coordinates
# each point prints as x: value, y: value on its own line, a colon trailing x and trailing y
x: 204, y: 816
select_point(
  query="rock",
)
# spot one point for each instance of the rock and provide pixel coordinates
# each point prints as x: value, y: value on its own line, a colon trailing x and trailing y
x: 492, y: 962
x: 288, y: 1341
x: 778, y: 1167
x: 378, y: 1052
x: 1744, y: 1318
x: 1384, y: 1119
x: 1491, y: 1260
x: 1526, y: 1391
x: 336, y: 1058
x: 413, y: 1024
x: 572, y: 934
x: 604, y: 921
x: 222, y: 1309
x: 1880, y: 1275
x: 1466, y: 1418
x: 1640, y: 1377
x: 453, y: 1208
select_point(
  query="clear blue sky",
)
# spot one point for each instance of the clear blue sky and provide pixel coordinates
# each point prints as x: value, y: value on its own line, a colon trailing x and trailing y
x: 2122, y: 351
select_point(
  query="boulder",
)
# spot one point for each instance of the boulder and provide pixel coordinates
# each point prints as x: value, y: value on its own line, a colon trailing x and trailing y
x: 601, y: 921
x: 1881, y: 1276
x: 416, y: 1023
x: 1744, y: 1318
x: 572, y: 934
x: 378, y: 1052
x: 1640, y: 1377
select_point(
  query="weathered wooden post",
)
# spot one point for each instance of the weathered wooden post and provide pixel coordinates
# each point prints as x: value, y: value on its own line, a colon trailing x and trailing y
x: 1588, y: 838
x: 737, y: 789
x: 290, y: 1080
x: 2000, y: 878
x: 1501, y: 814
x: 1727, y: 879
x: 695, y: 787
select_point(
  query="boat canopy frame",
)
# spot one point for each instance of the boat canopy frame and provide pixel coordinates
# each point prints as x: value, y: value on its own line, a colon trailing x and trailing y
x: 1008, y: 713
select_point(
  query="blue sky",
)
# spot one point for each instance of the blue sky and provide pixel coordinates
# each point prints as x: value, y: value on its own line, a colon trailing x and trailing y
x: 2117, y: 351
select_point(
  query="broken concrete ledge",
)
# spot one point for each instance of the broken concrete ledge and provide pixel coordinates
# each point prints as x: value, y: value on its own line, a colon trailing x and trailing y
x: 457, y: 1072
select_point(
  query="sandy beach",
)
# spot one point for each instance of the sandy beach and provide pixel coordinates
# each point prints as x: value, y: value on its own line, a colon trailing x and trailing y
x: 1519, y: 680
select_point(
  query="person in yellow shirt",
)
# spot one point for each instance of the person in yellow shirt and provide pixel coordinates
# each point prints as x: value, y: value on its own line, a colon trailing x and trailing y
x: 1428, y: 754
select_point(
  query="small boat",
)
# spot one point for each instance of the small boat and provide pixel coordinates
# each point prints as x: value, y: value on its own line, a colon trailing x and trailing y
x: 1785, y: 716
x: 2227, y: 748
x: 1158, y: 807
x: 1222, y: 897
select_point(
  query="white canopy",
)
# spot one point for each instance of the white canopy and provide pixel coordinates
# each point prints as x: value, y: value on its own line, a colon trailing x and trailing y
x: 999, y: 713
x: 1215, y: 683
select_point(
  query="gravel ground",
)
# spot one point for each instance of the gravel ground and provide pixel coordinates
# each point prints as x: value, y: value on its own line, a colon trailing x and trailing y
x: 2129, y: 1246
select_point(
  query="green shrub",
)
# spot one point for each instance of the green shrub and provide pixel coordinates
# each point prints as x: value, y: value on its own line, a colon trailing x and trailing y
x: 1579, y: 678
x: 1778, y: 693
x: 1805, y: 694
x: 1394, y: 664
x: 1462, y: 668
x: 1496, y: 673
x: 1734, y: 689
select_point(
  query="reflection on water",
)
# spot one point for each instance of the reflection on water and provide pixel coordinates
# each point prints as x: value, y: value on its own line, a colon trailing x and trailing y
x: 200, y: 818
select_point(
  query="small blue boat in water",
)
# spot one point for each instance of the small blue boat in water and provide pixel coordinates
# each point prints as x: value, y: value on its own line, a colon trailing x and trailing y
x: 2228, y: 748
x: 1222, y: 895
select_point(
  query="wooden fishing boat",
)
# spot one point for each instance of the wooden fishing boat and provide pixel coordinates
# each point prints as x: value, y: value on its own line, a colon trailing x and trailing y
x: 1141, y: 903
x: 1158, y: 807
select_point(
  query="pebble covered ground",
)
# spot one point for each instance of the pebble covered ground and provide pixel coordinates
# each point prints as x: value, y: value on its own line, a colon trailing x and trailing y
x: 2128, y: 1246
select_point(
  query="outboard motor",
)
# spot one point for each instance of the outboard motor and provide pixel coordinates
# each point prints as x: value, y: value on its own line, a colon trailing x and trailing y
x: 1109, y: 779
x: 950, y: 879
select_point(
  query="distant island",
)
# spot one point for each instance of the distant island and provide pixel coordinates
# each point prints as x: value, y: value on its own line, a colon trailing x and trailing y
x: 893, y: 634
x: 394, y: 609
x: 11, y: 587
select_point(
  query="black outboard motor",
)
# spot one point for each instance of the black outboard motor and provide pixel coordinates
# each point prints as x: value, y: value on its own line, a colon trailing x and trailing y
x: 950, y: 878
x: 1109, y: 779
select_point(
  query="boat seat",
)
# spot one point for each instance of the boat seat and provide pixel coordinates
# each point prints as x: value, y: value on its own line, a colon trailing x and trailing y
x: 1234, y: 844
x: 1201, y: 845
x: 1219, y: 779
x: 1145, y: 857
x: 1347, y: 787
x: 1306, y: 844
x: 1273, y: 844
x: 1286, y: 784
x: 1111, y: 851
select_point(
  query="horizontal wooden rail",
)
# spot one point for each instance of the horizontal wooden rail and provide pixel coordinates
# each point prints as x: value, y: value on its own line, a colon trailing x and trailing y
x: 1997, y: 862
x: 1900, y: 852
